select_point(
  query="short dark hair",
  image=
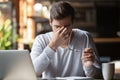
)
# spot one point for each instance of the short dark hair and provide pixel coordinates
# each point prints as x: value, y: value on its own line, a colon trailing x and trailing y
x: 61, y: 10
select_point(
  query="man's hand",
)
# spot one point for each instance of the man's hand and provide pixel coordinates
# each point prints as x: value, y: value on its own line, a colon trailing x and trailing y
x: 88, y: 57
x: 60, y: 36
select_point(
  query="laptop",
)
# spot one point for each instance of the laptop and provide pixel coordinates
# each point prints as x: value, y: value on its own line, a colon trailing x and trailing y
x: 16, y: 65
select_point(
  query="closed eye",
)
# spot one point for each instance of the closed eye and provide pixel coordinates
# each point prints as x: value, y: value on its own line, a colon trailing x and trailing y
x: 57, y: 26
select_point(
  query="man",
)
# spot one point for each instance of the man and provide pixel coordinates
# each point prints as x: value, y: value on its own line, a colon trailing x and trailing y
x: 65, y: 51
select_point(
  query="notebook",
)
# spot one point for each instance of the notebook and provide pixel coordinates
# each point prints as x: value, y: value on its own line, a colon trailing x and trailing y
x: 16, y: 65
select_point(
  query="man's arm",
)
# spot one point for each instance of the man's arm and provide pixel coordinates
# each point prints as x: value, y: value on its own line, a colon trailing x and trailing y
x: 93, y: 70
x: 41, y: 55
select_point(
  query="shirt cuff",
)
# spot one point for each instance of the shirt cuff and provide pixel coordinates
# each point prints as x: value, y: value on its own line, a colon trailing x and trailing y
x: 95, y: 64
x: 88, y: 70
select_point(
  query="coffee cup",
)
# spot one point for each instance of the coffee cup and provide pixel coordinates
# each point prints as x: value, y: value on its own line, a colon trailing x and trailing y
x: 108, y: 70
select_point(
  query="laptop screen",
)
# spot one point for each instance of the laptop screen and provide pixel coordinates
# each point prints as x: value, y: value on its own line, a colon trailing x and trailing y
x: 16, y: 65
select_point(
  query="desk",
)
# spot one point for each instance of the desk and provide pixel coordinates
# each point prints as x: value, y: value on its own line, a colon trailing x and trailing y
x: 116, y: 77
x: 67, y: 78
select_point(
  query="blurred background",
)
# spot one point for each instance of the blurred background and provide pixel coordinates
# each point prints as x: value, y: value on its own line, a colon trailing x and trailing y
x: 22, y: 20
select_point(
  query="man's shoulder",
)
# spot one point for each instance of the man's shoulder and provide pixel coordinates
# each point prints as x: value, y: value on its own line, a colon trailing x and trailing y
x: 81, y: 32
x: 44, y: 35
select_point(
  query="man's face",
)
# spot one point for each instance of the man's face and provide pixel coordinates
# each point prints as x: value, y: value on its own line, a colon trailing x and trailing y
x: 65, y: 22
